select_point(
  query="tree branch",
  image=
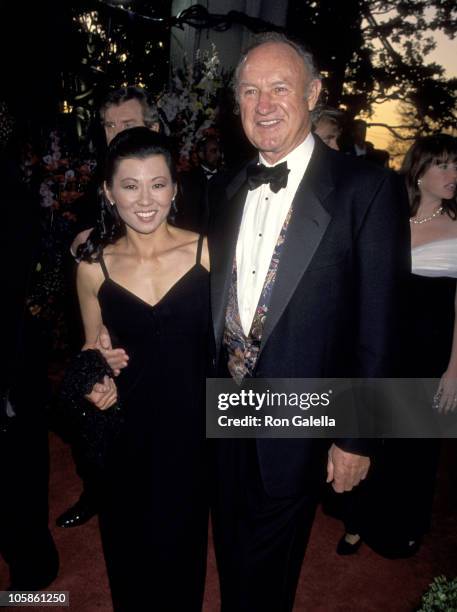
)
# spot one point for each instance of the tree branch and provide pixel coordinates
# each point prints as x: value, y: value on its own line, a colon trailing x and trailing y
x: 393, y: 129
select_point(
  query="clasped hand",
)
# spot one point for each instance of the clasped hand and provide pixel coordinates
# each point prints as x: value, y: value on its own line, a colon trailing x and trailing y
x: 104, y: 395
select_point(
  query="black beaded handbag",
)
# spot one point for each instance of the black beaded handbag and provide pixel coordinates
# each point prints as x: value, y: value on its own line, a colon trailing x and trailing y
x: 92, y: 429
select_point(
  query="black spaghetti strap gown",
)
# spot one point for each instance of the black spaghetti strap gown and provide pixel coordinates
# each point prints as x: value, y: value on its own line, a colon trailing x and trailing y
x: 403, y: 486
x: 154, y: 515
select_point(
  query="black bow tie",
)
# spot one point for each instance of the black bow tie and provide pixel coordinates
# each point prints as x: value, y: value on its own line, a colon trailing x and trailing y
x: 276, y: 176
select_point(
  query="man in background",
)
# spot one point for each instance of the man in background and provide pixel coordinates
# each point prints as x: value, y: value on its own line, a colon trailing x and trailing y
x: 25, y: 540
x: 191, y: 202
x: 121, y: 109
x: 328, y: 125
x: 357, y: 145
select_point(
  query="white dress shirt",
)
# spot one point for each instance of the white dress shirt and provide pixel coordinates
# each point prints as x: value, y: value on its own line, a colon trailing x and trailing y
x: 263, y: 217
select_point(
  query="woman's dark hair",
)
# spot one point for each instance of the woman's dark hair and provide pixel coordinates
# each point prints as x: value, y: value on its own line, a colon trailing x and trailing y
x: 136, y: 143
x: 425, y: 152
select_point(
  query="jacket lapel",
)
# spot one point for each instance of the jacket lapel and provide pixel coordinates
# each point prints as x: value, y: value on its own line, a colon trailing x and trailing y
x: 306, y: 229
x: 222, y: 245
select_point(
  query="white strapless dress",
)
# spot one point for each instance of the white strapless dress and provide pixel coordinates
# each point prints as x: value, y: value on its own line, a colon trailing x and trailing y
x: 437, y: 258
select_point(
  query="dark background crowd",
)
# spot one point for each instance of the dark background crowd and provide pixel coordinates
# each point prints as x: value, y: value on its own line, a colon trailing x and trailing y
x: 66, y: 59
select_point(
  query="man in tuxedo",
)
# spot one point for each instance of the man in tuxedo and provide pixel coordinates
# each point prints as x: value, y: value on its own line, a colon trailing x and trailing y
x: 191, y: 203
x: 338, y: 230
x: 26, y: 543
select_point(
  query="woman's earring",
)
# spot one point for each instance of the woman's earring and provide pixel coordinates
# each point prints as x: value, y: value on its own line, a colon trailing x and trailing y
x: 173, y: 208
x: 112, y: 203
x: 419, y: 181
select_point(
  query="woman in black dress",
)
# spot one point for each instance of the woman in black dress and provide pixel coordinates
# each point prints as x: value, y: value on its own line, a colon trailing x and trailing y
x: 148, y: 283
x: 430, y: 170
x: 394, y: 513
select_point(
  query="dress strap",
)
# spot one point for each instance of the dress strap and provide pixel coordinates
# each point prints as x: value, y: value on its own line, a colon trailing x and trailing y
x: 199, y: 248
x: 103, y: 265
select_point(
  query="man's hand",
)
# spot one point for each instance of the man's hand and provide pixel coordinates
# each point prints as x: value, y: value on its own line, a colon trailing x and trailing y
x: 345, y: 470
x: 116, y: 358
x: 81, y: 238
x: 103, y: 395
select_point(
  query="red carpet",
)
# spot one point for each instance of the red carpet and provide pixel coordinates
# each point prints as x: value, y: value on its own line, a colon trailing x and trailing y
x: 328, y: 583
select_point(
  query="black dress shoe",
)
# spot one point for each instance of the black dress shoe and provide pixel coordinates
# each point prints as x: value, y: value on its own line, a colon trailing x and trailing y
x: 346, y: 548
x: 80, y: 513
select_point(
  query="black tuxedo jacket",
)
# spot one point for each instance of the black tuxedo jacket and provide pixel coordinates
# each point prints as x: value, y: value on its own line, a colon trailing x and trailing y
x: 335, y: 305
x: 191, y: 201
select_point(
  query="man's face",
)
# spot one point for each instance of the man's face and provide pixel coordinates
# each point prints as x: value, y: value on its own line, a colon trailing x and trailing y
x: 360, y: 132
x: 328, y: 131
x: 271, y: 94
x: 211, y: 154
x: 120, y: 117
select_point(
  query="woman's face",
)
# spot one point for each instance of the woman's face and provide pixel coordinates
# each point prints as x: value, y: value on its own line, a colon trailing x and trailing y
x: 142, y: 190
x: 439, y: 180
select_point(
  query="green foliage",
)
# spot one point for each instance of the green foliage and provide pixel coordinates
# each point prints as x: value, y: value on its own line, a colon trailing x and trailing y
x: 114, y: 50
x: 441, y: 596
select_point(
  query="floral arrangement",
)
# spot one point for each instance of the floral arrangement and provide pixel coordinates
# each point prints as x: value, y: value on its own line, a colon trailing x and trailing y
x: 64, y: 177
x: 60, y: 177
x: 190, y: 104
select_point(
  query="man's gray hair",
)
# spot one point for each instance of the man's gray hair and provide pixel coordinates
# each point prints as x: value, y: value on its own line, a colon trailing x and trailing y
x: 125, y: 94
x: 276, y: 37
x: 334, y: 115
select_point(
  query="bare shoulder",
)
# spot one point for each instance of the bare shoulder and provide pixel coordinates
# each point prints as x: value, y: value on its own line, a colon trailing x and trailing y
x: 184, y: 237
x: 111, y: 250
x: 90, y: 275
x: 453, y: 227
x: 184, y: 240
x: 187, y: 241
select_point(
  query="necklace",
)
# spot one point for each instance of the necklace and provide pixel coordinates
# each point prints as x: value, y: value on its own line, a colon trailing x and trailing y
x: 437, y: 213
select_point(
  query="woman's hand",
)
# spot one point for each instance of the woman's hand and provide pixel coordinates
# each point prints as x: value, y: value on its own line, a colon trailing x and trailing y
x: 103, y: 395
x: 445, y: 399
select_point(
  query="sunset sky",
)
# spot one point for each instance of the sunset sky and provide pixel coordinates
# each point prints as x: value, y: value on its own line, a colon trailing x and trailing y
x: 444, y: 54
